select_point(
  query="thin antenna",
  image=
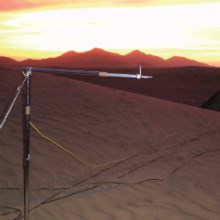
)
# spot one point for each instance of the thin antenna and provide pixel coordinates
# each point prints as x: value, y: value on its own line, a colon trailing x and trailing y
x: 140, y: 76
x: 140, y: 72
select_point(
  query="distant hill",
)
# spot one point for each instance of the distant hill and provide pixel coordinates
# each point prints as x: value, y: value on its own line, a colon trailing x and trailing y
x: 136, y: 58
x: 98, y: 58
x: 176, y: 61
x: 6, y: 61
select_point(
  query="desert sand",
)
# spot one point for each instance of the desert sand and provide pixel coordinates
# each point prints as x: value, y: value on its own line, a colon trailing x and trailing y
x: 167, y: 154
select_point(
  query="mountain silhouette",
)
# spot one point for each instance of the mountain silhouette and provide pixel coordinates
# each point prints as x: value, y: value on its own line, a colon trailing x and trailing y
x: 175, y: 61
x: 6, y: 61
x: 137, y: 57
x: 99, y: 58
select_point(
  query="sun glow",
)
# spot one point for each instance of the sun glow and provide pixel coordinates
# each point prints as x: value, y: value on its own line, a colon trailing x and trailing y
x: 193, y: 27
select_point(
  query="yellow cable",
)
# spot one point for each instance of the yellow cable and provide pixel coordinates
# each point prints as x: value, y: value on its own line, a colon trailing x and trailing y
x: 77, y: 158
x: 73, y: 155
x: 23, y: 73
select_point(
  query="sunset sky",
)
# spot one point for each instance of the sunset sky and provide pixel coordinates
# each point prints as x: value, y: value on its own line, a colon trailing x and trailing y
x: 48, y: 28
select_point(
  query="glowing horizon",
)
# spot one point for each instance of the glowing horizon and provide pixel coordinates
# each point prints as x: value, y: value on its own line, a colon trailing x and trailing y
x: 189, y: 30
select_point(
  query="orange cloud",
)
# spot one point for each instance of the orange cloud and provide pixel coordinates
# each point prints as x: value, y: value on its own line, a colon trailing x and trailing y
x: 16, y: 5
x: 13, y: 5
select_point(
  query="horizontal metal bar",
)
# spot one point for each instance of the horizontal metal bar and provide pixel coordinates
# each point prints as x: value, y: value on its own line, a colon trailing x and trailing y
x: 86, y: 72
x: 123, y: 75
x: 53, y: 70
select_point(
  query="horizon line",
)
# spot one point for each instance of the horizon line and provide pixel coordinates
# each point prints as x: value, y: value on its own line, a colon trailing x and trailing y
x: 113, y: 51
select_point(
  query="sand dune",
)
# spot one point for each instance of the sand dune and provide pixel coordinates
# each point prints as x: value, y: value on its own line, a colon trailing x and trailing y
x: 170, y: 155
